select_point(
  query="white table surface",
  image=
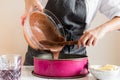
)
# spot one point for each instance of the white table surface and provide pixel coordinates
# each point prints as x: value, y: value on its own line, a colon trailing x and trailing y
x: 27, y: 75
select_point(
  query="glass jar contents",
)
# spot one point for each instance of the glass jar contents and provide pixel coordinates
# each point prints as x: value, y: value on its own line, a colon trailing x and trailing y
x: 10, y: 67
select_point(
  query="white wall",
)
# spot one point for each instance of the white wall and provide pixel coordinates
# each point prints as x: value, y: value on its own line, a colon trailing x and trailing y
x: 12, y: 40
x: 11, y: 36
x: 107, y: 50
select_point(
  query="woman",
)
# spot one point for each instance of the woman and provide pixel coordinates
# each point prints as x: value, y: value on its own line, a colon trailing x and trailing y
x: 76, y: 16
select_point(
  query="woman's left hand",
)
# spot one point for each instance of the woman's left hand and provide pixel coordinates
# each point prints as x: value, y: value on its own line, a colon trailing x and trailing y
x: 30, y: 5
x: 91, y: 37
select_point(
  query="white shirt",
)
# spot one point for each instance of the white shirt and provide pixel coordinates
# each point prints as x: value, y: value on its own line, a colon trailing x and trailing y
x: 109, y: 8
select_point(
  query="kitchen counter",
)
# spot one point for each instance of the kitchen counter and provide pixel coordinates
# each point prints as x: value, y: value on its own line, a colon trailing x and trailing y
x: 27, y: 75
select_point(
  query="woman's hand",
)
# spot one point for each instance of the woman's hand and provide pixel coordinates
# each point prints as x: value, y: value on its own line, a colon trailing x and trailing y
x: 91, y: 37
x: 29, y: 6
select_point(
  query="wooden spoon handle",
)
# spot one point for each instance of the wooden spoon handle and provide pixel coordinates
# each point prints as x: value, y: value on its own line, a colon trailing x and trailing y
x: 69, y: 43
x: 52, y: 43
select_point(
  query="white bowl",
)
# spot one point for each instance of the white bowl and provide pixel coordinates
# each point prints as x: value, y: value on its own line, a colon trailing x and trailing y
x: 104, y: 74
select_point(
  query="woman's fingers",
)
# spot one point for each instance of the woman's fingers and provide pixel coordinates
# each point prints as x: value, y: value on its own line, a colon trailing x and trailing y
x: 90, y: 41
x: 40, y: 8
x: 84, y: 39
x: 79, y: 43
x: 37, y: 4
x: 94, y: 42
x: 87, y: 39
x: 23, y: 18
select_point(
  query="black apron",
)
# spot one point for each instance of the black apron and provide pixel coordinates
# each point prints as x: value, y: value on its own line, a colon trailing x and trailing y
x: 72, y: 15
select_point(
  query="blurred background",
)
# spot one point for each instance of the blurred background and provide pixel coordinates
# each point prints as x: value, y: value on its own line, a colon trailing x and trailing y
x: 107, y: 50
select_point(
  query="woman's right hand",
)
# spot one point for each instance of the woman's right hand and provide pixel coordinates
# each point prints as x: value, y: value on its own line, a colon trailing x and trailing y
x: 29, y: 6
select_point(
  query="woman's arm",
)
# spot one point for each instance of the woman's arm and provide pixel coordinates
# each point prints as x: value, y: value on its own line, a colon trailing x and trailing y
x: 112, y: 25
x: 29, y: 5
x: 90, y: 37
